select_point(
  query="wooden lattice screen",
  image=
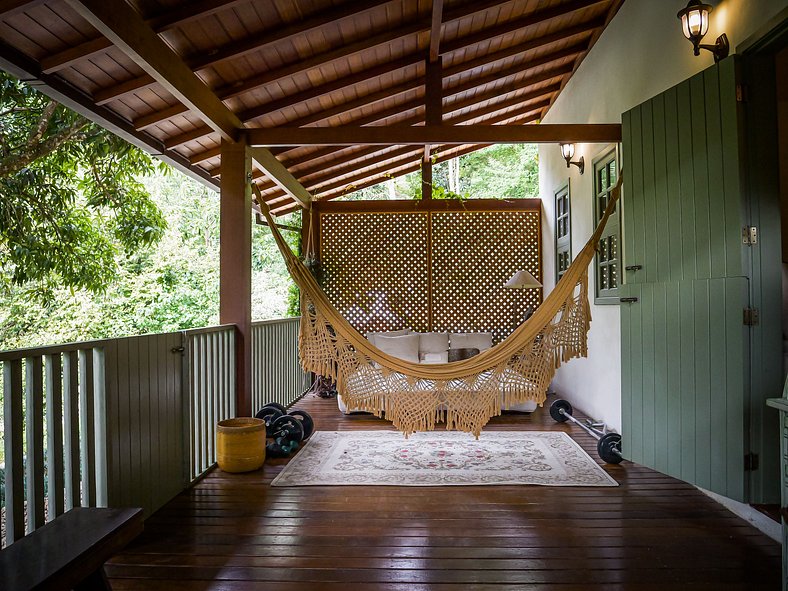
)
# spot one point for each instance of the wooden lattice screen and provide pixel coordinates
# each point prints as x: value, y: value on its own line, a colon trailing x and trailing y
x: 431, y: 270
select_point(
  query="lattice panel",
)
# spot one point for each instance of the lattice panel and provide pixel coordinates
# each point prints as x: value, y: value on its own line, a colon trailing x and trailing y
x: 376, y: 269
x: 473, y: 255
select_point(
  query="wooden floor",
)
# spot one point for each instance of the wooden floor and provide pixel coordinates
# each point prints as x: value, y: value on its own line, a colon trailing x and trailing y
x: 651, y: 533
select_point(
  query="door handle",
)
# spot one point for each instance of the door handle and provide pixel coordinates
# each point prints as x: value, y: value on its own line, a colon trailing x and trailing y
x: 627, y: 300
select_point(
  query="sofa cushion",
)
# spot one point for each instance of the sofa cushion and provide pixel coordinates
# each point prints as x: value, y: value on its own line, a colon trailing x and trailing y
x: 433, y: 342
x: 404, y: 347
x: 371, y: 336
x: 470, y: 340
x: 428, y: 358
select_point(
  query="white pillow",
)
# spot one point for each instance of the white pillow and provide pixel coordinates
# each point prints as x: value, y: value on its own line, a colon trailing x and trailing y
x: 404, y: 347
x: 471, y: 340
x: 429, y: 358
x: 433, y: 342
x: 371, y: 336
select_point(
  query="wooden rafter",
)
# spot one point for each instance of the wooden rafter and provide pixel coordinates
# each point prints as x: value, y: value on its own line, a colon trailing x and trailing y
x: 122, y: 25
x: 281, y: 176
x: 436, y: 28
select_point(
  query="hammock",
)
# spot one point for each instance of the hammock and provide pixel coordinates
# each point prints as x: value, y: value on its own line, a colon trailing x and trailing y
x: 463, y: 394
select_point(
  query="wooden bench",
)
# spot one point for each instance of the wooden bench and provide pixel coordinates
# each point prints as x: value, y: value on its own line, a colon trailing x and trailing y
x: 70, y: 551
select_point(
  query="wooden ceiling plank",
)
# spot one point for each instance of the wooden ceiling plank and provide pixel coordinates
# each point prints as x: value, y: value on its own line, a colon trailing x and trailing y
x: 122, y: 25
x: 182, y: 14
x: 262, y: 39
x: 9, y: 7
x: 443, y: 134
x: 529, y: 45
x: 529, y: 20
x: 281, y: 176
x: 242, y: 86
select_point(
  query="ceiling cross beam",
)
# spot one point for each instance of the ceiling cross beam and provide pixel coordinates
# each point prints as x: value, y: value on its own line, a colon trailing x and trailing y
x: 603, y: 133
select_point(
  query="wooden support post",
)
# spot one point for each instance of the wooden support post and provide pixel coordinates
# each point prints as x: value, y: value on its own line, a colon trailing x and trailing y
x: 235, y: 263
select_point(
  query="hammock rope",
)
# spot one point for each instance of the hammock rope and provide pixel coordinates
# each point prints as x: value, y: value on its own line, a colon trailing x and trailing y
x: 463, y: 394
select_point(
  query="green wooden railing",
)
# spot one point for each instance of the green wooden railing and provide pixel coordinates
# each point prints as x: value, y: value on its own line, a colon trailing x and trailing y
x: 125, y: 422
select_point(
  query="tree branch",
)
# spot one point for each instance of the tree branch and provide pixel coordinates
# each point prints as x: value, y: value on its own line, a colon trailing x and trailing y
x: 22, y: 158
x: 43, y: 122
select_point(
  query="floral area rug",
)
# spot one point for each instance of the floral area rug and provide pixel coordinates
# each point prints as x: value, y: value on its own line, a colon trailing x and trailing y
x: 442, y: 458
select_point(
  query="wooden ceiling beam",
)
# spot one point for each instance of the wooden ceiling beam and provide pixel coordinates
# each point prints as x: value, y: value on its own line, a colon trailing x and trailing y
x: 182, y: 14
x: 122, y: 25
x: 436, y: 134
x: 281, y: 176
x: 436, y: 28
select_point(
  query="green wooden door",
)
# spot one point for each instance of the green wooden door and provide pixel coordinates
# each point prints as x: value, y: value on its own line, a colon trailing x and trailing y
x: 685, y: 349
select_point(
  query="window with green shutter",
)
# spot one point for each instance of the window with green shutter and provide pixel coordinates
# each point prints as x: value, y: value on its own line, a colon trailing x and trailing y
x: 607, y: 264
x: 563, y: 232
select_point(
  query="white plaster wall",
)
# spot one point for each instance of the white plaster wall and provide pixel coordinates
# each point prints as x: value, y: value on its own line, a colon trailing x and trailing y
x: 640, y: 54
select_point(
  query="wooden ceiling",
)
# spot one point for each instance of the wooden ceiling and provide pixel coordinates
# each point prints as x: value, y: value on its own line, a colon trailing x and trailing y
x: 304, y: 63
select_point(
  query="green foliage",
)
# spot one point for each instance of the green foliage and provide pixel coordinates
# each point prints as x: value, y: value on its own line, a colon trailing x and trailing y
x: 503, y: 171
x: 173, y: 286
x: 72, y: 202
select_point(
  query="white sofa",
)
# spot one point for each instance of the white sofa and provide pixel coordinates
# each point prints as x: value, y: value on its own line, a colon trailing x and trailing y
x: 430, y: 348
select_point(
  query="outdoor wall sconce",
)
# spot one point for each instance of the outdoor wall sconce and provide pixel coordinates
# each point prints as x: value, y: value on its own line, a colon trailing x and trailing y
x: 567, y: 151
x: 695, y: 24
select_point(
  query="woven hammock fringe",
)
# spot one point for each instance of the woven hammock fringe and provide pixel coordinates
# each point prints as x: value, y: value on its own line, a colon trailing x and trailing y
x: 466, y: 394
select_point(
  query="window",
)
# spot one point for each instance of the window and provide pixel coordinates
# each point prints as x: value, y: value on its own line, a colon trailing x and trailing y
x: 563, y: 232
x: 607, y: 264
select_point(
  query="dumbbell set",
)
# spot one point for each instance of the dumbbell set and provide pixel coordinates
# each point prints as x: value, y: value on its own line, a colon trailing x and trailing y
x: 286, y: 429
x: 608, y: 445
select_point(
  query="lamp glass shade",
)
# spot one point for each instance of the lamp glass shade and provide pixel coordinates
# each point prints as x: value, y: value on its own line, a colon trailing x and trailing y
x: 522, y: 280
x: 695, y: 20
x: 567, y: 151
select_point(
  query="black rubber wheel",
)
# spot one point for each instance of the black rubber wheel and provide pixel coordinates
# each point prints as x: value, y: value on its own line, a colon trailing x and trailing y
x: 556, y: 408
x: 609, y: 448
x: 276, y: 405
x: 287, y: 427
x: 306, y: 422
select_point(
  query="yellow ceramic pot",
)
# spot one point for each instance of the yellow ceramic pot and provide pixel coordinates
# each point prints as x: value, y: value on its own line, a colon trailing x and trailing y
x: 240, y: 444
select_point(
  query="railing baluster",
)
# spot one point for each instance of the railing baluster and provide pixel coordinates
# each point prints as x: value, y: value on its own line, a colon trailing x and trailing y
x: 54, y: 392
x: 210, y: 369
x: 34, y: 428
x: 87, y: 433
x: 13, y: 442
x: 71, y: 428
x: 99, y: 426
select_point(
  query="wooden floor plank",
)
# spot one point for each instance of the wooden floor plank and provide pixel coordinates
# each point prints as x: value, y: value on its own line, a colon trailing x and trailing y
x: 650, y: 533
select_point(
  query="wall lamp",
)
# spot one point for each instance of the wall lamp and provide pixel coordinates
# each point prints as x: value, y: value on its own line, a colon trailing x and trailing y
x: 567, y: 151
x: 695, y: 24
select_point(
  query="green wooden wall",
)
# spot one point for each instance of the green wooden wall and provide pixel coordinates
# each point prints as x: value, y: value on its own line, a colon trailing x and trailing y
x: 685, y: 350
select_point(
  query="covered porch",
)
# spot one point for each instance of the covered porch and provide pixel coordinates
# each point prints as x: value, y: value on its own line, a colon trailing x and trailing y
x: 289, y: 106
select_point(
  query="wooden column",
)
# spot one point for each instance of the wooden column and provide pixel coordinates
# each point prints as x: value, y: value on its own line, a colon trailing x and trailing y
x: 235, y: 263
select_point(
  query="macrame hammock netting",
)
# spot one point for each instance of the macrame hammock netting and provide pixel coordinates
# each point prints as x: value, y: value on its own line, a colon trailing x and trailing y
x: 464, y: 394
